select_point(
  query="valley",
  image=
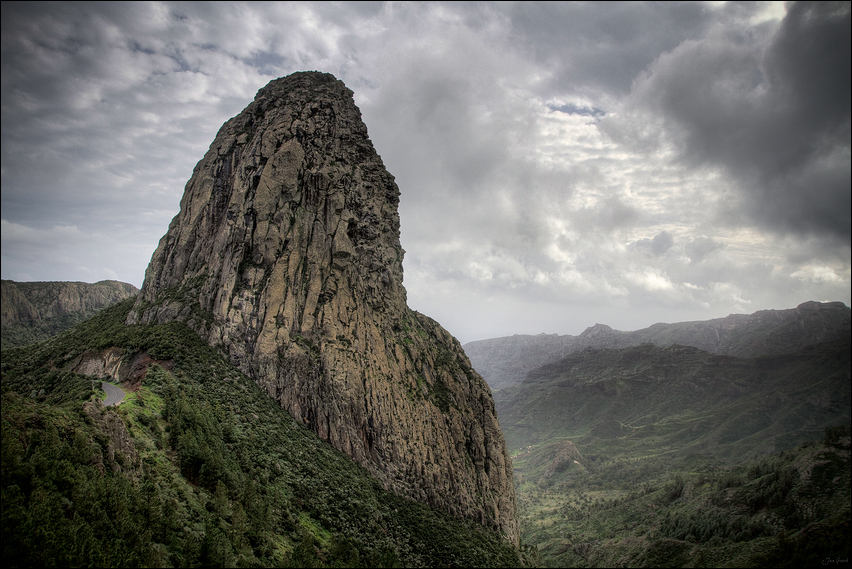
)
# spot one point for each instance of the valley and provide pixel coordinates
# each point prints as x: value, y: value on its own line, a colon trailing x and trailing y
x: 672, y: 456
x: 788, y: 509
x: 284, y: 406
x: 635, y: 457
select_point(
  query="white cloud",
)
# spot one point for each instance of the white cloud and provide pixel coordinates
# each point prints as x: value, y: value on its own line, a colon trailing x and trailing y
x: 54, y: 253
x: 818, y: 274
x: 560, y: 164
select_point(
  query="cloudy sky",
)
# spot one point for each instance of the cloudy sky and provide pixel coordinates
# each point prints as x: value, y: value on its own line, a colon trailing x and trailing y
x: 560, y: 164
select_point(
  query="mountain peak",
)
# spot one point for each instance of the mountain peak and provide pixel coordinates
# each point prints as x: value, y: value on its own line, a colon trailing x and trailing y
x: 596, y: 330
x: 286, y: 254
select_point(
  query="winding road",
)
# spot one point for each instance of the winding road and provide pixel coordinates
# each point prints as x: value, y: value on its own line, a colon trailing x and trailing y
x: 115, y: 395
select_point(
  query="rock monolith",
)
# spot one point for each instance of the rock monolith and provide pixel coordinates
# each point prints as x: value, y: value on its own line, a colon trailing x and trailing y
x: 286, y: 254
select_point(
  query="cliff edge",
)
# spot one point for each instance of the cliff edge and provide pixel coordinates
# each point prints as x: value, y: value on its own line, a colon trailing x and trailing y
x: 286, y: 254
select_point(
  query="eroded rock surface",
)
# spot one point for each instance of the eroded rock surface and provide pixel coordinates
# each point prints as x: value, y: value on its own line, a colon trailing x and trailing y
x: 120, y: 454
x: 112, y: 363
x: 27, y: 301
x: 34, y: 311
x: 286, y: 253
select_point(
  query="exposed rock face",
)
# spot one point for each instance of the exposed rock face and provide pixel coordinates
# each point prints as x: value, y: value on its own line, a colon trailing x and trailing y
x: 23, y: 302
x: 34, y: 311
x: 562, y: 456
x: 286, y: 253
x: 14, y: 306
x: 116, y: 364
x: 119, y: 440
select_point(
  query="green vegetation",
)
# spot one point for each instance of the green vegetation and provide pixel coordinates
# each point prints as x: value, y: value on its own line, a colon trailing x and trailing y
x: 644, y: 456
x: 672, y: 457
x: 214, y: 472
x: 650, y: 400
x: 789, y: 509
x: 25, y: 333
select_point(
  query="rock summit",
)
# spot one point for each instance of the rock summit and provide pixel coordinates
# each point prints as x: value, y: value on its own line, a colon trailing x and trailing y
x: 286, y: 254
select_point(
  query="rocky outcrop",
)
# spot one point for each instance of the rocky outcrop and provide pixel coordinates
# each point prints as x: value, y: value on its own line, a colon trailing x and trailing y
x: 286, y: 254
x: 14, y: 305
x: 120, y: 453
x: 506, y: 361
x: 115, y: 364
x: 562, y: 456
x: 34, y: 311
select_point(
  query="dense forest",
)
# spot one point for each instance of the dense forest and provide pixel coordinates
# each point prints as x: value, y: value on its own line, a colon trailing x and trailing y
x: 787, y: 509
x: 197, y: 468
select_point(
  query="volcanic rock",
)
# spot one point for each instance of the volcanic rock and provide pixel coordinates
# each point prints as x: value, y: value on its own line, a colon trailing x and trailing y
x: 29, y: 301
x: 286, y: 254
x: 34, y: 311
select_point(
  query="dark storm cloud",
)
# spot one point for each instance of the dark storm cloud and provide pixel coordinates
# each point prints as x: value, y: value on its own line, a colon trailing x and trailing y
x: 770, y: 106
x: 518, y: 213
x: 104, y: 113
x: 594, y: 47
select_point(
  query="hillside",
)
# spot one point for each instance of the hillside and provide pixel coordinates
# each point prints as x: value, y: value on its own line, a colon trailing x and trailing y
x: 788, y: 509
x: 681, y: 399
x: 504, y: 362
x: 198, y: 467
x: 651, y: 456
x: 34, y: 311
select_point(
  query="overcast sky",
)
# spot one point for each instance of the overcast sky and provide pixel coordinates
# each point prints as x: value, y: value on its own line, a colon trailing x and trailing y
x: 560, y: 164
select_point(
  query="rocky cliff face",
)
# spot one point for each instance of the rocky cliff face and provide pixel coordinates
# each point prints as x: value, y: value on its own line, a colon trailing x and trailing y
x: 23, y: 302
x: 34, y: 311
x: 286, y: 253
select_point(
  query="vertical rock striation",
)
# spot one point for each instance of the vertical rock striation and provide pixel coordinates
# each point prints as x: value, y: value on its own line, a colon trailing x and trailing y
x: 32, y: 301
x: 34, y: 311
x: 286, y: 253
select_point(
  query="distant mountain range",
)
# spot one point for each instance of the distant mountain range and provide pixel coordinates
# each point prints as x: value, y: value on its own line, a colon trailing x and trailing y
x: 681, y: 399
x: 642, y: 454
x: 505, y: 361
x: 34, y: 311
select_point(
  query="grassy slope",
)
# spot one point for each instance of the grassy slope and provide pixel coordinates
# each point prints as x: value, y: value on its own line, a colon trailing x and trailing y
x: 647, y: 456
x: 224, y: 476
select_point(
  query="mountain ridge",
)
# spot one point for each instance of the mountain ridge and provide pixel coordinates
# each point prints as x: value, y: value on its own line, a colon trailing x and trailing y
x: 34, y: 311
x: 682, y: 398
x: 505, y: 361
